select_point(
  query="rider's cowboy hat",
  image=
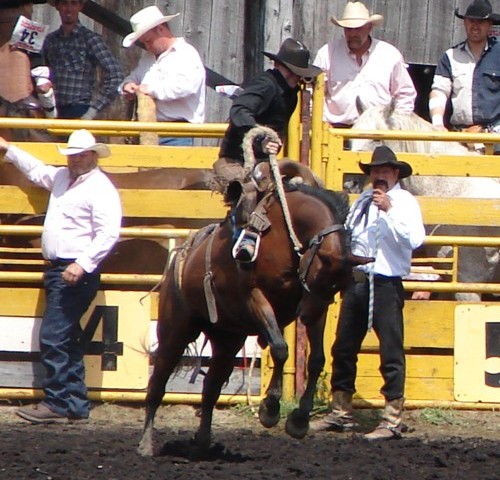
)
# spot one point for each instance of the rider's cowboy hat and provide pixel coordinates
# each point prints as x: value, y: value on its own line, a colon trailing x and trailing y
x: 383, y: 155
x: 480, y: 10
x: 356, y: 15
x: 83, y: 141
x: 143, y: 21
x: 295, y: 56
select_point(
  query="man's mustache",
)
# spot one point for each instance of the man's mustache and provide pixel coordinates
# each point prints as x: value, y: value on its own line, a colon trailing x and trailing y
x: 381, y: 184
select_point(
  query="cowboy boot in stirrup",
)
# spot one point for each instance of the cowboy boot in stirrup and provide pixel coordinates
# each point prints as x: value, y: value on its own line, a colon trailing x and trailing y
x: 246, y: 247
x: 248, y: 213
x: 390, y: 425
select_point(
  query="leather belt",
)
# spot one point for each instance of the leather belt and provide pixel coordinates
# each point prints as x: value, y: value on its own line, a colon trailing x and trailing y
x: 60, y: 262
x: 362, y: 277
x: 359, y: 276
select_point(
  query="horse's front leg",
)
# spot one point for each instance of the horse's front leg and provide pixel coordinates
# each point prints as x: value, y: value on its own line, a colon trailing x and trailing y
x: 269, y: 409
x: 297, y: 423
x: 225, y: 346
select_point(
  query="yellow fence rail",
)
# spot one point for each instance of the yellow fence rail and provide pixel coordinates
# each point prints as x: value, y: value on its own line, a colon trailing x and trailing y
x: 331, y: 162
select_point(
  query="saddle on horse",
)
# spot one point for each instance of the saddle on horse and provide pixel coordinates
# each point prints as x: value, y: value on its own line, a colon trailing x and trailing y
x: 245, y: 192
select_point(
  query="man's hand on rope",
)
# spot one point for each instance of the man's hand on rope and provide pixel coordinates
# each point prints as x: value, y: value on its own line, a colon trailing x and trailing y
x: 270, y: 147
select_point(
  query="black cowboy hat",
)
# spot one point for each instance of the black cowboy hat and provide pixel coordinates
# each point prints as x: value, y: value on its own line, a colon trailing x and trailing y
x: 480, y: 10
x: 295, y: 56
x: 383, y: 155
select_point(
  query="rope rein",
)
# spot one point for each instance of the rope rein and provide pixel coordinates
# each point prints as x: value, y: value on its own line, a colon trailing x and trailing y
x: 371, y: 276
x: 249, y: 166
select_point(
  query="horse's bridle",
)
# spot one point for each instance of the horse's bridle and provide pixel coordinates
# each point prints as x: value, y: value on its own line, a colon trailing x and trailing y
x: 313, y: 247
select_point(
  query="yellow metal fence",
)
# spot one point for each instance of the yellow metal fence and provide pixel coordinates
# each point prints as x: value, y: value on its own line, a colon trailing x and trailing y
x: 430, y: 325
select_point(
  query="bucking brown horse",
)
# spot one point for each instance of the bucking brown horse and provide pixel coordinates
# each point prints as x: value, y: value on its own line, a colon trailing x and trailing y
x: 298, y: 271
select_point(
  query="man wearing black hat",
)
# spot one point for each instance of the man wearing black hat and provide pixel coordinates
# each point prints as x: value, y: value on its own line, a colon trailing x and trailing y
x: 268, y: 100
x: 386, y: 224
x: 468, y: 75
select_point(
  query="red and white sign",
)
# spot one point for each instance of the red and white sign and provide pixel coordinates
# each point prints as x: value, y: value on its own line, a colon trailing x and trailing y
x: 28, y: 35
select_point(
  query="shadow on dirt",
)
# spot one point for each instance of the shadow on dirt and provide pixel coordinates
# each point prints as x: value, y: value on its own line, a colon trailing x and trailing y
x: 187, y: 451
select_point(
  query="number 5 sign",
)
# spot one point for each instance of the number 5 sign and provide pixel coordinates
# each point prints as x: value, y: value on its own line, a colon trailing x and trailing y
x: 28, y: 35
x: 477, y: 353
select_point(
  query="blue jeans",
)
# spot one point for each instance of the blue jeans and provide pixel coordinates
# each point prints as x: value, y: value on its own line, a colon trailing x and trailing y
x: 71, y: 111
x: 60, y: 348
x: 175, y: 141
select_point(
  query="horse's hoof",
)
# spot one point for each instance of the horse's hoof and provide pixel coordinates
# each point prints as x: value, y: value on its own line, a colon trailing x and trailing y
x: 297, y: 424
x: 269, y: 412
x: 145, y: 450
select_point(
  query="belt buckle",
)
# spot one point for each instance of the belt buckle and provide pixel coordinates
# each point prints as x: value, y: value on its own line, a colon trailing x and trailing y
x: 359, y: 276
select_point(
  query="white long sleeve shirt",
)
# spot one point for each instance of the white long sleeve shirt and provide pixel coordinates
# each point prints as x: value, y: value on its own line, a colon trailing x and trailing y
x: 389, y: 237
x: 83, y: 220
x: 176, y: 82
x: 381, y: 76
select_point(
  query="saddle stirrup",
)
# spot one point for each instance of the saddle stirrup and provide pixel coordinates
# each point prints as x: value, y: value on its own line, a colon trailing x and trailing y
x: 247, y: 234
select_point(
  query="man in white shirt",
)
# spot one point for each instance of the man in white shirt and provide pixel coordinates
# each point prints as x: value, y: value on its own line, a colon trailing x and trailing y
x: 81, y: 226
x: 386, y: 224
x: 170, y: 72
x: 358, y: 65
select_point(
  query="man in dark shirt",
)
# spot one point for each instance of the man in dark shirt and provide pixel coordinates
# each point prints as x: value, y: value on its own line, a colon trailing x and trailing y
x: 468, y: 75
x: 75, y: 54
x: 268, y: 100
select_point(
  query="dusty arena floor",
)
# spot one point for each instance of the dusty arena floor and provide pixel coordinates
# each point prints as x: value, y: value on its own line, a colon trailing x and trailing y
x: 438, y: 445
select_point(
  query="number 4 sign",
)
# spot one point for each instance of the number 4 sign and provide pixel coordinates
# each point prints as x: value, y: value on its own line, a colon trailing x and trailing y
x: 28, y: 35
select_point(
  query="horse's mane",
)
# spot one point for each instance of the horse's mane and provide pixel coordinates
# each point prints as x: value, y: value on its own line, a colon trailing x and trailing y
x: 337, y: 202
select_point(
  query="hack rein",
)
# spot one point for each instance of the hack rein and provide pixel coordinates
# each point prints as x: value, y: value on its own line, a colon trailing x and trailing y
x: 313, y: 246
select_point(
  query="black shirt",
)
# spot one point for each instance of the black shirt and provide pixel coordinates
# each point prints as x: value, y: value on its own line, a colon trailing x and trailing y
x: 267, y: 100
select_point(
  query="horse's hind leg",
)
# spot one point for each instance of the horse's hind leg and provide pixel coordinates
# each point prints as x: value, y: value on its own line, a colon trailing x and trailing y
x: 225, y: 346
x: 173, y: 340
x: 297, y: 423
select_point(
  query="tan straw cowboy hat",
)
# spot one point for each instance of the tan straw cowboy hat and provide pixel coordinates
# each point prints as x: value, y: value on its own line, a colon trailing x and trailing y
x: 143, y: 21
x: 83, y: 141
x: 356, y: 15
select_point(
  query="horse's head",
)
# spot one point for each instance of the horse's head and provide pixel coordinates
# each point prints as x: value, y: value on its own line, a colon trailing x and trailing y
x: 326, y: 264
x: 372, y: 118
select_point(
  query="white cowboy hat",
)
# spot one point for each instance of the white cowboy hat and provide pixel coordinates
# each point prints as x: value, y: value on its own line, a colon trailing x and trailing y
x: 143, y: 21
x: 83, y: 141
x: 356, y: 15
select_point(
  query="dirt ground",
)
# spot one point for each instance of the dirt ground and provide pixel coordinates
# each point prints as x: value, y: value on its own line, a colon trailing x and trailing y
x: 437, y: 445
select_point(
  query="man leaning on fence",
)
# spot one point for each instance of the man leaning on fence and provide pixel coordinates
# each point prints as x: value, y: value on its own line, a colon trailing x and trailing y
x: 170, y: 72
x: 81, y: 226
x: 468, y: 74
x: 358, y: 65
